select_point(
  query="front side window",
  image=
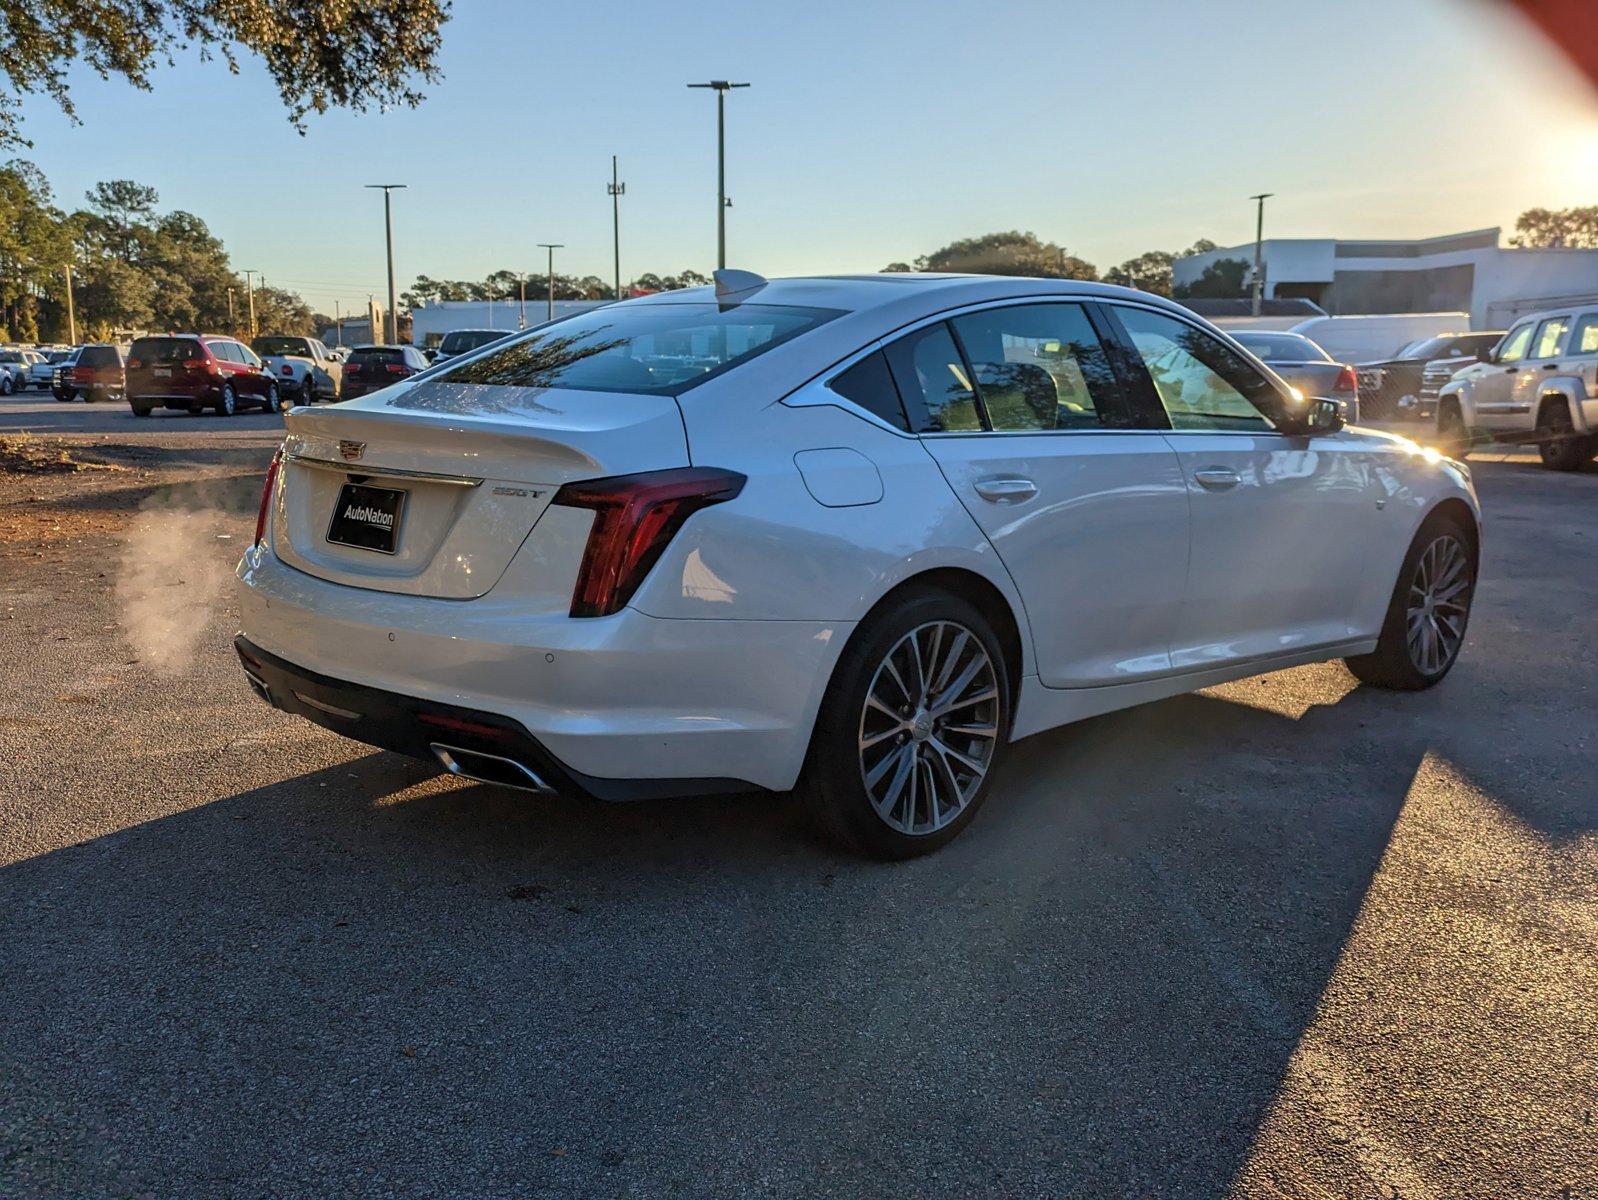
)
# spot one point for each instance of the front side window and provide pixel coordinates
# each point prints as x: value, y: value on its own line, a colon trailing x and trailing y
x: 1515, y: 344
x: 1585, y: 339
x: 1201, y: 382
x: 870, y: 385
x: 1040, y: 367
x: 1549, y: 334
x: 932, y: 380
x: 654, y: 349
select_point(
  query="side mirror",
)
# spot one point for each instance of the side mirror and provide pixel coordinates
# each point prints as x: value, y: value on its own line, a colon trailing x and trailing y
x: 1322, y: 415
x: 1489, y: 355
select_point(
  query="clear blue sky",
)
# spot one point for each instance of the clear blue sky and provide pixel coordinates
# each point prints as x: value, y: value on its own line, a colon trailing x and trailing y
x: 875, y: 130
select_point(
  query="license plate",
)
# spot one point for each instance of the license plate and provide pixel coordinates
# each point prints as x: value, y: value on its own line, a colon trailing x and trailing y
x: 367, y: 518
x: 163, y: 372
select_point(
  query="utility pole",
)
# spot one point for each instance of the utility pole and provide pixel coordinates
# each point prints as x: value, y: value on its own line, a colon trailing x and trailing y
x: 617, y: 190
x: 521, y: 285
x: 249, y: 287
x: 1259, y: 249
x: 721, y: 87
x: 388, y: 234
x: 72, y: 320
x: 338, y: 325
x: 552, y: 247
x: 231, y: 323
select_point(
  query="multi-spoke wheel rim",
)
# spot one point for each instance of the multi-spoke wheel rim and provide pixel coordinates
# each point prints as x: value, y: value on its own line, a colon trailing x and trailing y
x: 929, y: 727
x: 1439, y: 601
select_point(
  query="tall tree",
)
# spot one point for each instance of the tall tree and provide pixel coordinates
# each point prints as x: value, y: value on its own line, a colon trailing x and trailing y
x: 1148, y: 272
x: 1221, y: 280
x: 35, y: 245
x: 322, y: 54
x: 1008, y: 253
x: 1557, y: 228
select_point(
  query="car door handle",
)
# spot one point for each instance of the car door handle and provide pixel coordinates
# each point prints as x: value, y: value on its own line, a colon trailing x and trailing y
x: 1217, y: 479
x: 1006, y: 491
x: 1510, y: 370
x: 1553, y: 366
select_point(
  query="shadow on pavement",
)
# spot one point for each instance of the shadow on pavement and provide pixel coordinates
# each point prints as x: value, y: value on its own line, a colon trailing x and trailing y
x: 361, y: 978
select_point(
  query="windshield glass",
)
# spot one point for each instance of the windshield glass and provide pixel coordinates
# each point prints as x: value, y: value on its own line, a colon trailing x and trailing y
x: 463, y: 341
x: 1282, y: 347
x: 657, y: 349
x: 282, y: 346
x: 1426, y: 348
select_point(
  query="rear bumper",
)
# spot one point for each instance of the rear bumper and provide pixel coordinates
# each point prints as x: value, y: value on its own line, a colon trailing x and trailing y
x: 662, y: 705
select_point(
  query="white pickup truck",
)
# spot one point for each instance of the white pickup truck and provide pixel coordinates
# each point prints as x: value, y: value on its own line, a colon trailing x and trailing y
x: 302, y: 366
x: 1538, y: 386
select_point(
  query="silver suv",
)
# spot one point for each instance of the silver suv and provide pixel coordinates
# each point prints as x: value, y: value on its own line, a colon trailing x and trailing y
x: 1538, y: 386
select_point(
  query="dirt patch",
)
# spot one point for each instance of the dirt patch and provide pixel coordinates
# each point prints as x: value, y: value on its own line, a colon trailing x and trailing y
x: 29, y: 454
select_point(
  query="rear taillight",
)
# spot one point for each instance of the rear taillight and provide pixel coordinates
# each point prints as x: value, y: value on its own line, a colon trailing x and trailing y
x: 396, y: 369
x: 134, y: 364
x: 1347, y: 381
x: 262, y: 516
x: 635, y: 517
x: 286, y: 369
x: 193, y: 364
x: 351, y: 368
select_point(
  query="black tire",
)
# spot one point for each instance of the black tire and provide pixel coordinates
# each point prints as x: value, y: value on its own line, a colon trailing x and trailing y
x: 308, y: 392
x: 65, y: 397
x: 1453, y: 438
x: 274, y: 402
x: 229, y: 403
x: 6, y: 386
x: 835, y: 776
x: 1395, y: 663
x: 1570, y: 451
x: 139, y: 411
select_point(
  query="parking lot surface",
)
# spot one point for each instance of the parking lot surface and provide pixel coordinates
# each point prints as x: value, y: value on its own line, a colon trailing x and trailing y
x: 1287, y: 937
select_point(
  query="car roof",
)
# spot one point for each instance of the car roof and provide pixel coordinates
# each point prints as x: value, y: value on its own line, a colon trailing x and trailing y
x: 860, y: 293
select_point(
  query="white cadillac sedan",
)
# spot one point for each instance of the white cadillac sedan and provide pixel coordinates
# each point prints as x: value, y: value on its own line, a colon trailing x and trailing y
x: 858, y: 533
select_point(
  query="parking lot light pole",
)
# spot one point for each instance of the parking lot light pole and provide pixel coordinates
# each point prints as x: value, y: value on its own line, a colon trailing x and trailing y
x: 388, y: 234
x: 1259, y: 249
x: 521, y: 288
x: 249, y: 288
x: 721, y: 87
x: 72, y: 320
x: 552, y: 247
x: 617, y: 190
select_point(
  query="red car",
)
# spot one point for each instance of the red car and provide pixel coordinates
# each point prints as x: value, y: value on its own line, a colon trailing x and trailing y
x: 194, y: 372
x: 372, y: 367
x: 93, y: 372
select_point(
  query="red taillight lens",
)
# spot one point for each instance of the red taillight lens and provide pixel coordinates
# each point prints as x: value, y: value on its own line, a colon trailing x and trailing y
x: 286, y: 369
x: 396, y: 369
x: 1347, y: 381
x: 351, y: 368
x: 263, y: 515
x: 635, y: 517
x: 134, y: 364
x: 193, y: 364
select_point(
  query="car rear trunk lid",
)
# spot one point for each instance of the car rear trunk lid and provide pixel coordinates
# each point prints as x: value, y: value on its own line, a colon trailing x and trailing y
x: 477, y: 467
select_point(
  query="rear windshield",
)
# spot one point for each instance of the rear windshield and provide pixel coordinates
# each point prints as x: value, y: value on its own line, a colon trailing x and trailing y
x: 1282, y: 347
x: 164, y: 350
x: 99, y: 356
x: 282, y: 345
x: 378, y: 358
x: 464, y: 341
x: 659, y: 349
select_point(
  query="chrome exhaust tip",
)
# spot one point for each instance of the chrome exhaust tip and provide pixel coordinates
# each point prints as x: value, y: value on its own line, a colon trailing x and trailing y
x: 489, y: 768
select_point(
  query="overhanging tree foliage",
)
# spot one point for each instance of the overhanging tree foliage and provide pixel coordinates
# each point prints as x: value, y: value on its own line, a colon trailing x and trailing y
x: 1557, y: 228
x: 322, y: 54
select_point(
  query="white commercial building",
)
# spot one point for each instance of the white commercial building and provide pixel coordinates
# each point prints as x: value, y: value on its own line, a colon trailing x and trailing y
x: 430, y: 322
x: 1467, y: 272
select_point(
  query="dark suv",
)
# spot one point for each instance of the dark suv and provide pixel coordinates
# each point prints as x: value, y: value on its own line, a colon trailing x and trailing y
x: 93, y: 372
x: 194, y: 372
x: 373, y: 367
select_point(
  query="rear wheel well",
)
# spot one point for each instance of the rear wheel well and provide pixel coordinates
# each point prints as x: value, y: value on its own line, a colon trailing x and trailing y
x: 1549, y: 402
x: 977, y: 591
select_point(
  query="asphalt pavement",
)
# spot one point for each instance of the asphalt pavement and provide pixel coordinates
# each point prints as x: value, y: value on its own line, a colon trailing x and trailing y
x: 1287, y: 937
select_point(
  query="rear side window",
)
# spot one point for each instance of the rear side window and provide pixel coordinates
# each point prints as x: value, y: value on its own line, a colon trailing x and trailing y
x: 164, y: 350
x: 225, y: 351
x: 654, y: 349
x: 932, y: 380
x: 1040, y: 367
x: 1585, y: 339
x: 869, y: 384
x: 1200, y: 381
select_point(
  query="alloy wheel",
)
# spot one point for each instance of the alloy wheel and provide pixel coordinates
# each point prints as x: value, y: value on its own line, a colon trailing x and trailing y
x: 929, y: 727
x: 1439, y: 601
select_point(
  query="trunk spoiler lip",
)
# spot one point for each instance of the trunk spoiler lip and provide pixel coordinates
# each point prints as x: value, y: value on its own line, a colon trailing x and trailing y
x: 365, y: 469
